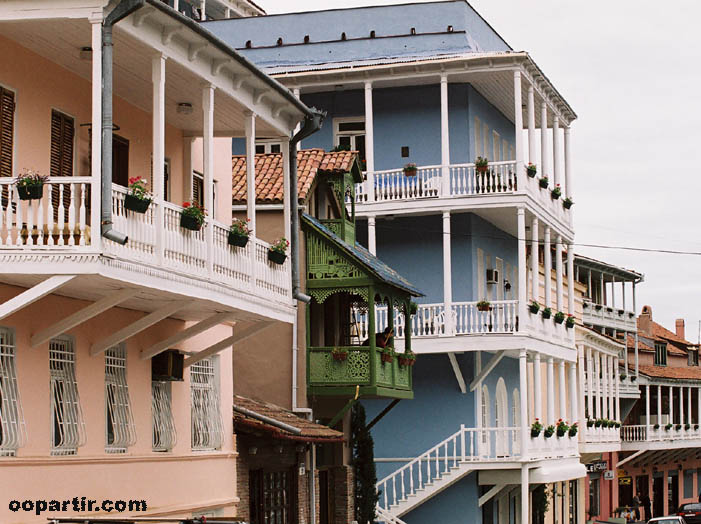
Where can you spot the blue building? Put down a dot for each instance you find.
(425, 92)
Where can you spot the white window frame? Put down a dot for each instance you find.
(117, 403)
(164, 435)
(13, 429)
(267, 144)
(348, 120)
(207, 430)
(67, 413)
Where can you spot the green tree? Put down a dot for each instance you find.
(366, 495)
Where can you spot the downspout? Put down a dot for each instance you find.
(123, 9)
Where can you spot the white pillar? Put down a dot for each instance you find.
(647, 405)
(659, 405)
(613, 291)
(635, 311)
(574, 411)
(445, 138)
(176, 4)
(537, 388)
(551, 393)
(671, 405)
(617, 382)
(681, 405)
(369, 144)
(688, 405)
(447, 275)
(525, 492)
(570, 278)
(556, 151)
(531, 126)
(158, 79)
(544, 152)
(523, 397)
(580, 386)
(590, 384)
(597, 383)
(208, 161)
(521, 218)
(203, 9)
(558, 272)
(562, 390)
(518, 124)
(548, 263)
(250, 132)
(372, 242)
(96, 133)
(287, 203)
(609, 378)
(568, 164)
(535, 267)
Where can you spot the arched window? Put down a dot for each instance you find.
(486, 415)
(516, 409)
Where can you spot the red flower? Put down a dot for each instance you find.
(186, 204)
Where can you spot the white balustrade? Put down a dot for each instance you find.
(500, 177)
(601, 315)
(643, 433)
(394, 185)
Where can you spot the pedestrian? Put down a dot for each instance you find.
(635, 504)
(647, 505)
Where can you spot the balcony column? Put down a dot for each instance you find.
(203, 9)
(523, 399)
(617, 382)
(609, 378)
(570, 278)
(590, 384)
(698, 405)
(574, 412)
(647, 406)
(556, 151)
(544, 153)
(445, 138)
(158, 79)
(518, 124)
(531, 126)
(537, 388)
(558, 272)
(208, 161)
(562, 390)
(681, 405)
(372, 242)
(597, 384)
(551, 393)
(613, 293)
(447, 276)
(96, 134)
(688, 405)
(635, 311)
(548, 263)
(580, 385)
(568, 165)
(369, 144)
(522, 284)
(659, 405)
(671, 405)
(250, 132)
(535, 272)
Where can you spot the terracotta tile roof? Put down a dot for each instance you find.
(664, 333)
(310, 430)
(641, 344)
(269, 182)
(679, 373)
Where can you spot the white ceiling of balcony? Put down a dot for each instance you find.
(60, 41)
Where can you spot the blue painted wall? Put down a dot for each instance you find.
(456, 505)
(493, 118)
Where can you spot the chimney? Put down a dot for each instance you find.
(679, 328)
(645, 321)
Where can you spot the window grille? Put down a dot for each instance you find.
(67, 422)
(660, 354)
(121, 432)
(13, 431)
(164, 435)
(207, 429)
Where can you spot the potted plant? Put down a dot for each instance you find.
(668, 426)
(549, 431)
(30, 185)
(559, 317)
(536, 428)
(481, 165)
(138, 198)
(611, 423)
(410, 169)
(687, 427)
(192, 216)
(483, 305)
(598, 422)
(678, 427)
(585, 305)
(569, 322)
(656, 426)
(534, 307)
(573, 430)
(544, 182)
(590, 422)
(562, 428)
(413, 308)
(623, 376)
(277, 252)
(547, 312)
(531, 170)
(567, 203)
(408, 358)
(696, 426)
(339, 354)
(633, 378)
(598, 307)
(239, 232)
(387, 355)
(556, 192)
(616, 424)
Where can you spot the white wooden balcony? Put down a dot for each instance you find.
(609, 317)
(644, 437)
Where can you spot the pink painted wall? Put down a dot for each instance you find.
(167, 481)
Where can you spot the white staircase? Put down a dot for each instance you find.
(387, 517)
(441, 466)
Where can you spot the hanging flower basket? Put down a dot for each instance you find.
(556, 192)
(277, 253)
(559, 317)
(481, 165)
(483, 305)
(239, 232)
(567, 203)
(237, 239)
(339, 354)
(547, 313)
(138, 199)
(407, 358)
(562, 428)
(30, 192)
(536, 428)
(549, 431)
(192, 216)
(387, 356)
(531, 170)
(573, 430)
(136, 204)
(569, 322)
(534, 307)
(544, 182)
(189, 222)
(410, 170)
(30, 185)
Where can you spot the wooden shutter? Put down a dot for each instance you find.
(198, 188)
(7, 126)
(62, 137)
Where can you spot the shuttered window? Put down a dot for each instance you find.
(198, 188)
(62, 137)
(7, 127)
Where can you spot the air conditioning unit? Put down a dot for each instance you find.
(492, 276)
(167, 366)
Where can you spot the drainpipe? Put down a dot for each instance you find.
(295, 359)
(123, 9)
(312, 124)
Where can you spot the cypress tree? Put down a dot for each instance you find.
(366, 495)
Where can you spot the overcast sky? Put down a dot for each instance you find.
(629, 68)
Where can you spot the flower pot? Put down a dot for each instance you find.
(559, 320)
(482, 308)
(135, 204)
(567, 204)
(554, 195)
(387, 358)
(237, 239)
(547, 314)
(543, 183)
(403, 361)
(535, 433)
(560, 433)
(569, 324)
(340, 357)
(531, 173)
(481, 169)
(533, 308)
(34, 192)
(276, 257)
(190, 222)
(410, 172)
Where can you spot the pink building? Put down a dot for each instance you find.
(87, 319)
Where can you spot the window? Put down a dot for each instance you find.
(479, 151)
(689, 483)
(67, 423)
(272, 497)
(121, 432)
(13, 432)
(164, 435)
(268, 146)
(120, 161)
(693, 357)
(350, 133)
(198, 188)
(594, 496)
(660, 354)
(7, 131)
(62, 139)
(207, 430)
